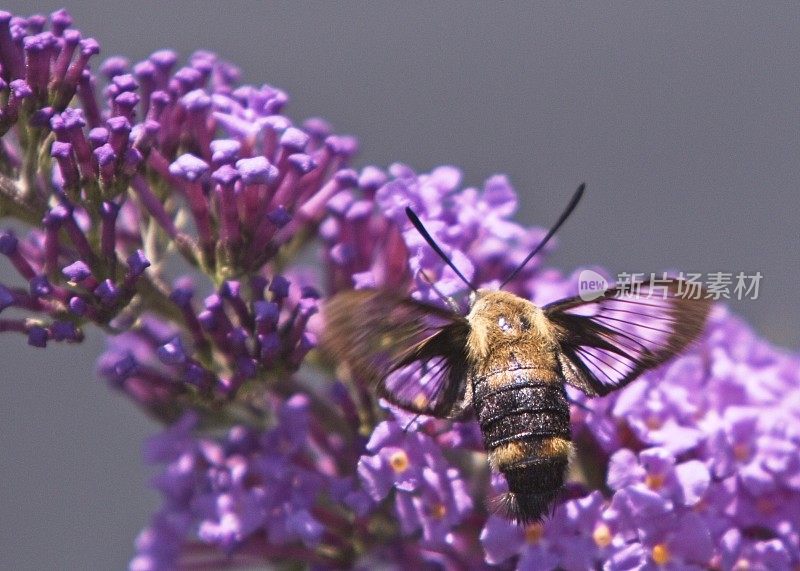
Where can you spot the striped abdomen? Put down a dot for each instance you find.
(524, 417)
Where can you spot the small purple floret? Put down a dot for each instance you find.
(77, 271)
(37, 336)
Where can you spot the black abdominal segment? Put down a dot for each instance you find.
(522, 409)
(526, 430)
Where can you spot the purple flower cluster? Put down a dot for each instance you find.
(269, 455)
(164, 165)
(701, 464)
(735, 411)
(431, 496)
(235, 491)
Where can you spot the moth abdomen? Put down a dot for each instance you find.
(533, 487)
(526, 430)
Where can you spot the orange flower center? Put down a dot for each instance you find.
(654, 481)
(534, 532)
(602, 535)
(660, 554)
(741, 452)
(420, 401)
(439, 511)
(399, 461)
(653, 422)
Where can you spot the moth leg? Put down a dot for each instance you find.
(439, 410)
(411, 422)
(462, 412)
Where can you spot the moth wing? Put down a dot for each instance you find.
(413, 352)
(608, 342)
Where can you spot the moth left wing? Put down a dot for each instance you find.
(414, 352)
(605, 343)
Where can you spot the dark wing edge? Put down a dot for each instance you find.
(414, 353)
(606, 343)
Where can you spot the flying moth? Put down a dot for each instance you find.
(508, 361)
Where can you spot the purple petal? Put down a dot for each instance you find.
(77, 271)
(624, 469)
(500, 539)
(693, 478)
(188, 167)
(537, 558)
(629, 558)
(375, 476)
(692, 540)
(500, 196)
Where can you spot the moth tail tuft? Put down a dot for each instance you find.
(524, 508)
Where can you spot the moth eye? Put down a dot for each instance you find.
(504, 325)
(524, 322)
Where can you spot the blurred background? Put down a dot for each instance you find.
(682, 119)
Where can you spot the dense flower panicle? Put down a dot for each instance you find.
(268, 455)
(160, 159)
(473, 226)
(573, 539)
(371, 243)
(431, 496)
(248, 483)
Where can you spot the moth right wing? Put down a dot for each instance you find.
(413, 352)
(607, 342)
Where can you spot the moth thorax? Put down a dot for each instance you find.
(507, 331)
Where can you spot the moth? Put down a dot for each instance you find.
(508, 362)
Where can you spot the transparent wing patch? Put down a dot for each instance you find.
(412, 351)
(607, 342)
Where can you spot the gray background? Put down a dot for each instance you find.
(682, 119)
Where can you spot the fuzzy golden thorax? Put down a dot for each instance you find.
(507, 331)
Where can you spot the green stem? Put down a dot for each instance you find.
(31, 162)
(157, 301)
(12, 204)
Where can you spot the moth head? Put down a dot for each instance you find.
(502, 318)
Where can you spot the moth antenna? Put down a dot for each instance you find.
(564, 215)
(451, 303)
(424, 233)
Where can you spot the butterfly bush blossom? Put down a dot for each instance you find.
(170, 206)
